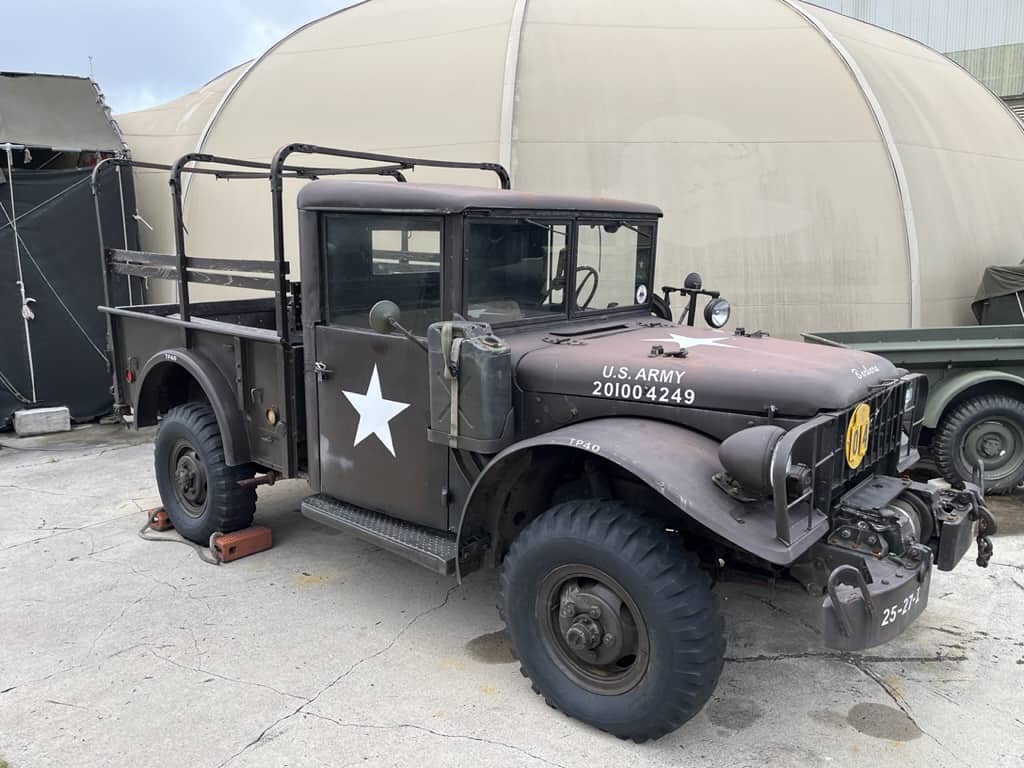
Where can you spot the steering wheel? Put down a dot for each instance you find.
(590, 276)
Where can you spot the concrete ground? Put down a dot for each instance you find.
(326, 651)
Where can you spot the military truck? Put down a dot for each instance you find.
(473, 377)
(973, 423)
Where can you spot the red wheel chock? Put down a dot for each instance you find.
(224, 547)
(158, 519)
(234, 546)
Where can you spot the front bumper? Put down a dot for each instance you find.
(870, 600)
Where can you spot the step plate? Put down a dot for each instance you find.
(425, 546)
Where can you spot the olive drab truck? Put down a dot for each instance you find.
(474, 377)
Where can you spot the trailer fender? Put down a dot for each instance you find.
(214, 386)
(672, 460)
(943, 393)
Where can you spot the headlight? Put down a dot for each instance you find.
(747, 456)
(909, 397)
(716, 312)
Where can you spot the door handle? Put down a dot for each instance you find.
(321, 370)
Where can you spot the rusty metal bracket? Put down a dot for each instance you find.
(268, 479)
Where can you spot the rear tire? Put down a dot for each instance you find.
(200, 492)
(650, 596)
(989, 427)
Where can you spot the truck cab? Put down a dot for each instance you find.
(473, 377)
(514, 264)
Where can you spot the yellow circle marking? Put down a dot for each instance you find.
(857, 435)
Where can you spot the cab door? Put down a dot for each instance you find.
(372, 388)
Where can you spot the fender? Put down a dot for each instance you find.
(944, 392)
(216, 388)
(672, 460)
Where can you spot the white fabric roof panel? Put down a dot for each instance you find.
(56, 112)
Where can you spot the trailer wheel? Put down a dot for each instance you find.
(614, 624)
(989, 428)
(200, 492)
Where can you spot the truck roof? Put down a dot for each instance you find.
(346, 194)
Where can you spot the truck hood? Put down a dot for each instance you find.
(721, 371)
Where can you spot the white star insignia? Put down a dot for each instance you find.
(685, 342)
(375, 413)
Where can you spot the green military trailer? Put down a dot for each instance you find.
(974, 416)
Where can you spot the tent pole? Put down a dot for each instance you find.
(26, 311)
(124, 229)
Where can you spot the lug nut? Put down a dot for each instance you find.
(568, 610)
(608, 639)
(595, 612)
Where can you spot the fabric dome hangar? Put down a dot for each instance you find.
(821, 172)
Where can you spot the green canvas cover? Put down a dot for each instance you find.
(999, 300)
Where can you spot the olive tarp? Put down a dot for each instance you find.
(999, 300)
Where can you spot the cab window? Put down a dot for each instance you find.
(613, 264)
(369, 257)
(515, 268)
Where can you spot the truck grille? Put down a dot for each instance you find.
(885, 430)
(820, 445)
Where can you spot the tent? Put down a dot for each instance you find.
(53, 130)
(998, 301)
(819, 171)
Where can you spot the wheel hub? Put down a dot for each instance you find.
(189, 475)
(594, 630)
(997, 444)
(584, 634)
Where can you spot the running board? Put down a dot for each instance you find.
(433, 549)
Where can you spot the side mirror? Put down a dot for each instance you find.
(384, 316)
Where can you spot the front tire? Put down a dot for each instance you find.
(614, 623)
(989, 428)
(200, 492)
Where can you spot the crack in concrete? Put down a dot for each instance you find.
(54, 533)
(845, 657)
(211, 673)
(68, 704)
(120, 615)
(778, 609)
(43, 491)
(900, 702)
(432, 732)
(946, 630)
(352, 667)
(1008, 565)
(138, 572)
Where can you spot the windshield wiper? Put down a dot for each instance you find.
(629, 226)
(549, 227)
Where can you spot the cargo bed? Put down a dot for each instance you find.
(921, 348)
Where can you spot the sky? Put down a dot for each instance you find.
(146, 52)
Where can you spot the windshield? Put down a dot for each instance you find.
(613, 264)
(513, 269)
(520, 268)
